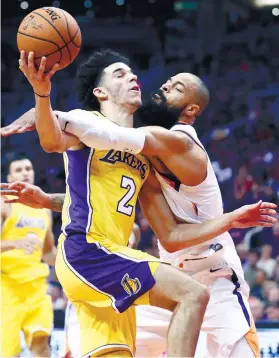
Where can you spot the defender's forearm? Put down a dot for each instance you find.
(187, 235)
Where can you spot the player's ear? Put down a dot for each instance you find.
(100, 93)
(191, 110)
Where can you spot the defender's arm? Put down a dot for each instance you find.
(175, 236)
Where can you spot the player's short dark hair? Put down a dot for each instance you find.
(90, 75)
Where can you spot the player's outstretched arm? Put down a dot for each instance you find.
(31, 195)
(175, 236)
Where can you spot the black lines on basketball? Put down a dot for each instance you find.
(49, 41)
(67, 24)
(60, 48)
(34, 12)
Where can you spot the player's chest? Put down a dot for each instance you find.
(107, 164)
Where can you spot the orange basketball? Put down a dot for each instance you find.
(50, 32)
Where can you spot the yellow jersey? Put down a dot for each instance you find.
(102, 188)
(22, 221)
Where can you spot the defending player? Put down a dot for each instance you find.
(26, 239)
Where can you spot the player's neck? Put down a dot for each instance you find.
(187, 120)
(120, 115)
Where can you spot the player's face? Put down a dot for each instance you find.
(21, 170)
(176, 91)
(121, 84)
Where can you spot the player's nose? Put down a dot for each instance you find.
(165, 87)
(133, 77)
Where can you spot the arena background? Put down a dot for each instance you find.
(233, 45)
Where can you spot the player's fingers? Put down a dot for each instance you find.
(42, 68)
(4, 185)
(8, 192)
(268, 205)
(264, 224)
(7, 131)
(31, 66)
(28, 190)
(18, 185)
(268, 218)
(11, 201)
(268, 212)
(24, 129)
(52, 71)
(22, 63)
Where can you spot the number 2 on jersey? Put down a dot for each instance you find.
(123, 207)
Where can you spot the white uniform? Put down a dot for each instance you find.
(215, 263)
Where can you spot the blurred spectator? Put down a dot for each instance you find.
(272, 312)
(242, 182)
(250, 268)
(242, 253)
(276, 271)
(266, 263)
(267, 287)
(257, 288)
(273, 296)
(257, 308)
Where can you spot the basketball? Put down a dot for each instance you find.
(50, 32)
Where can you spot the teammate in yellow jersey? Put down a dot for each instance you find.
(26, 239)
(94, 265)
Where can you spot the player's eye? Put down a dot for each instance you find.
(178, 89)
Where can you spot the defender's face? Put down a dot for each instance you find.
(121, 84)
(175, 92)
(21, 170)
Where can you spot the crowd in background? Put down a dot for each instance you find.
(240, 128)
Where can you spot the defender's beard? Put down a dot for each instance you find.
(156, 112)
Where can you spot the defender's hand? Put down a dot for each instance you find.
(25, 123)
(25, 193)
(39, 80)
(259, 214)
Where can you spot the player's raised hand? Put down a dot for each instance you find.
(259, 214)
(25, 123)
(39, 80)
(24, 193)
